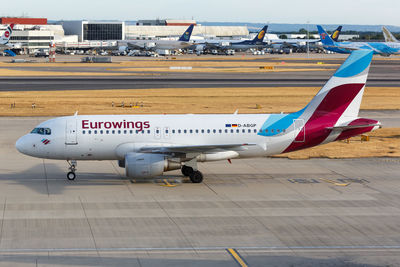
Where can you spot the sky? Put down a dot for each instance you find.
(367, 12)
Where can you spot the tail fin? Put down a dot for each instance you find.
(388, 35)
(336, 33)
(186, 35)
(336, 104)
(342, 94)
(325, 38)
(261, 34)
(7, 34)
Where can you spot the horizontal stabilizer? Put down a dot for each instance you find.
(348, 127)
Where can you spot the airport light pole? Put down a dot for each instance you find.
(308, 38)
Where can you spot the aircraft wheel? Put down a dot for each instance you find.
(186, 170)
(71, 176)
(196, 177)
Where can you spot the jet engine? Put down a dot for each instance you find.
(147, 165)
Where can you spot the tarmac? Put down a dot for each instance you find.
(254, 212)
(383, 73)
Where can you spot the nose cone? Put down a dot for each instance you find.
(22, 145)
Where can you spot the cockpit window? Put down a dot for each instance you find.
(42, 131)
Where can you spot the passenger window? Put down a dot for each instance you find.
(130, 131)
(101, 131)
(272, 130)
(284, 130)
(237, 131)
(226, 130)
(266, 130)
(244, 131)
(148, 131)
(166, 131)
(220, 131)
(208, 131)
(113, 131)
(89, 132)
(107, 131)
(184, 131)
(179, 131)
(202, 130)
(255, 130)
(173, 131)
(137, 131)
(83, 131)
(278, 130)
(142, 131)
(197, 130)
(125, 131)
(190, 131)
(249, 130)
(231, 130)
(95, 131)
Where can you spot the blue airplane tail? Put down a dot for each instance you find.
(325, 38)
(186, 35)
(260, 35)
(336, 33)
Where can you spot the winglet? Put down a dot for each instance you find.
(76, 113)
(236, 112)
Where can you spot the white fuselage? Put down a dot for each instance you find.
(105, 137)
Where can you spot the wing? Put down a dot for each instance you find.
(193, 149)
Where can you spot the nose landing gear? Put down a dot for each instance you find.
(72, 167)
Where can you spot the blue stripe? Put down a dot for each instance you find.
(355, 64)
(279, 122)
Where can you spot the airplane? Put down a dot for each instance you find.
(388, 35)
(256, 43)
(4, 41)
(378, 48)
(153, 45)
(149, 145)
(296, 43)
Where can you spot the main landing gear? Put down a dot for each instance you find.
(194, 175)
(72, 167)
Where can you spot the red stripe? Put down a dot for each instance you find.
(326, 115)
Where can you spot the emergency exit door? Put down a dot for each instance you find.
(71, 132)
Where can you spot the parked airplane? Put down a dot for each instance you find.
(148, 145)
(243, 45)
(388, 35)
(4, 41)
(380, 48)
(182, 42)
(297, 43)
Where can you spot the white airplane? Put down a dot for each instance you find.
(181, 43)
(4, 40)
(148, 145)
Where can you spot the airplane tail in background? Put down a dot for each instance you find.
(336, 33)
(261, 34)
(388, 35)
(186, 35)
(7, 34)
(325, 38)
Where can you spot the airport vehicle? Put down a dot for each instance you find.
(237, 45)
(388, 35)
(148, 145)
(379, 48)
(4, 41)
(153, 45)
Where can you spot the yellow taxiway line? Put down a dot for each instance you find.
(237, 257)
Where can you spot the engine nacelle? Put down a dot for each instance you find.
(147, 165)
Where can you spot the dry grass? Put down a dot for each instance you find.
(383, 143)
(182, 100)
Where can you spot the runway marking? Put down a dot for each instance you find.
(273, 248)
(236, 256)
(167, 184)
(334, 182)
